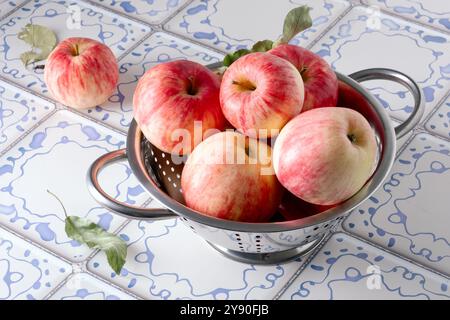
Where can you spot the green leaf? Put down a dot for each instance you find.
(262, 46)
(89, 233)
(297, 20)
(30, 57)
(232, 57)
(42, 41)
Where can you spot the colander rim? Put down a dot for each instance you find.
(386, 161)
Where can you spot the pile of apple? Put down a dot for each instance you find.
(285, 97)
(275, 94)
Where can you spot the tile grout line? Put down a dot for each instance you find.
(395, 254)
(335, 22)
(406, 18)
(117, 13)
(24, 134)
(175, 13)
(7, 14)
(303, 266)
(35, 244)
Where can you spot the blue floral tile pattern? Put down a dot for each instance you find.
(150, 11)
(409, 213)
(66, 19)
(166, 260)
(347, 268)
(27, 272)
(210, 22)
(429, 12)
(56, 156)
(82, 286)
(394, 44)
(159, 48)
(439, 122)
(19, 111)
(8, 5)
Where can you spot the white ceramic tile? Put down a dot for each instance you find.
(401, 141)
(409, 214)
(234, 24)
(431, 12)
(361, 40)
(27, 272)
(347, 268)
(117, 32)
(19, 111)
(166, 260)
(56, 156)
(439, 122)
(160, 47)
(82, 286)
(150, 11)
(8, 5)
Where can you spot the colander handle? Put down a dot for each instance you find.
(406, 81)
(109, 202)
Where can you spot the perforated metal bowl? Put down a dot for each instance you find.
(263, 243)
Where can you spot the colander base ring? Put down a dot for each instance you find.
(271, 257)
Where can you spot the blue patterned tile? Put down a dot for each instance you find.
(150, 11)
(166, 260)
(409, 214)
(362, 40)
(431, 12)
(233, 24)
(19, 111)
(82, 286)
(56, 156)
(7, 5)
(27, 272)
(439, 122)
(160, 47)
(117, 32)
(346, 268)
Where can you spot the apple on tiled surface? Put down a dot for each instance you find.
(117, 32)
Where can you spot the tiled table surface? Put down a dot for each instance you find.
(395, 245)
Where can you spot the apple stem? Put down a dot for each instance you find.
(246, 85)
(77, 50)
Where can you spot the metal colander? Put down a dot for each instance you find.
(263, 243)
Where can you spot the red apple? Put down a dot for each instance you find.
(171, 99)
(292, 208)
(325, 155)
(261, 92)
(320, 81)
(230, 176)
(81, 73)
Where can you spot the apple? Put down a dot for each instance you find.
(320, 81)
(230, 176)
(173, 101)
(81, 73)
(293, 208)
(325, 155)
(260, 91)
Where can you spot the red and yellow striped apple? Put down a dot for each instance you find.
(171, 98)
(230, 176)
(325, 155)
(260, 91)
(320, 81)
(81, 73)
